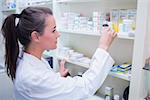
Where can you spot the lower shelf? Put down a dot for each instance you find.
(121, 75)
(126, 77)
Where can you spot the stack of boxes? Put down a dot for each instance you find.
(121, 20)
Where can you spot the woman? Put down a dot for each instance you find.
(33, 78)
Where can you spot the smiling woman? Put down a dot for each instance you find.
(33, 78)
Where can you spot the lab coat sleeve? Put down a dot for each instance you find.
(53, 87)
(58, 73)
(100, 66)
(93, 78)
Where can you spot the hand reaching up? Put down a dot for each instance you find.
(107, 37)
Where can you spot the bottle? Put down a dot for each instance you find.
(116, 97)
(108, 93)
(107, 97)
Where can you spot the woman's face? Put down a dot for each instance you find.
(48, 39)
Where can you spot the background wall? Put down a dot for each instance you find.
(6, 87)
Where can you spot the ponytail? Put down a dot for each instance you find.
(11, 44)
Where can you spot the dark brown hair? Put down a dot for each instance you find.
(31, 19)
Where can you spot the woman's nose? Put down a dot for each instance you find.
(58, 34)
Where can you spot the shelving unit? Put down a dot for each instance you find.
(86, 41)
(125, 49)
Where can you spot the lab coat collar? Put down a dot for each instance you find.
(35, 60)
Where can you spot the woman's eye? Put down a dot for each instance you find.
(53, 31)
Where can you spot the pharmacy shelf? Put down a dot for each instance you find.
(75, 1)
(42, 4)
(96, 97)
(83, 1)
(80, 32)
(9, 10)
(94, 34)
(123, 76)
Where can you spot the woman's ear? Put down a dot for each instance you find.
(35, 36)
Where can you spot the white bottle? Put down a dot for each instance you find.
(116, 97)
(108, 93)
(127, 25)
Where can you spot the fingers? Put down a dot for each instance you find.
(63, 71)
(113, 33)
(105, 29)
(62, 62)
(108, 30)
(66, 71)
(107, 37)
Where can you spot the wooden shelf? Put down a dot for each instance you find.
(123, 76)
(94, 34)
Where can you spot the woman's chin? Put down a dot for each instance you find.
(53, 48)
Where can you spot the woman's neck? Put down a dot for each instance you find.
(37, 52)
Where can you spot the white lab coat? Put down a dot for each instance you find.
(35, 80)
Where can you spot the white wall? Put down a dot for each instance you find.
(6, 87)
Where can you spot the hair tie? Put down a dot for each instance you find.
(17, 15)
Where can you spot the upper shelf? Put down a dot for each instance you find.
(46, 3)
(75, 1)
(80, 1)
(94, 34)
